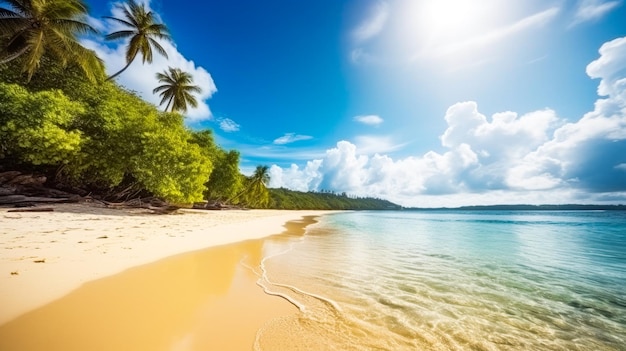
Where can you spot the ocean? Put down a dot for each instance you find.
(451, 280)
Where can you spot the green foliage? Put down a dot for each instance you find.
(55, 120)
(255, 193)
(30, 29)
(51, 75)
(114, 122)
(36, 128)
(102, 137)
(225, 182)
(170, 166)
(297, 200)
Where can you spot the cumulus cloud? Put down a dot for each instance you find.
(228, 125)
(289, 138)
(587, 154)
(376, 144)
(593, 10)
(140, 77)
(372, 120)
(295, 178)
(505, 158)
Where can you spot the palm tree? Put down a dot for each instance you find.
(176, 89)
(255, 193)
(260, 177)
(30, 29)
(142, 31)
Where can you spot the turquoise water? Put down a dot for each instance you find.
(494, 280)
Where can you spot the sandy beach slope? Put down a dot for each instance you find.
(46, 255)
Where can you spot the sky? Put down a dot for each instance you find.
(423, 103)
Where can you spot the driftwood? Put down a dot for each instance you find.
(28, 180)
(26, 190)
(163, 210)
(4, 191)
(153, 204)
(7, 176)
(215, 206)
(21, 190)
(33, 209)
(16, 199)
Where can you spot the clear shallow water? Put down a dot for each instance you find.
(453, 281)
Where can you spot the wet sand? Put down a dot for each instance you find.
(206, 299)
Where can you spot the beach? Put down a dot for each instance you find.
(144, 280)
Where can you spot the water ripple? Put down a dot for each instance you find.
(458, 281)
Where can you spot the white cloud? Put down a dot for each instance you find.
(295, 178)
(370, 144)
(507, 158)
(228, 125)
(587, 154)
(593, 10)
(141, 77)
(374, 24)
(289, 138)
(610, 68)
(372, 120)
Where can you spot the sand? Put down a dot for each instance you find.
(47, 257)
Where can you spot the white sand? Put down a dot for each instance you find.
(78, 243)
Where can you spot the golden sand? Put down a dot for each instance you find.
(203, 300)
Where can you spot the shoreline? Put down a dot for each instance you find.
(45, 256)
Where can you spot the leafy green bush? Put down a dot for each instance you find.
(36, 128)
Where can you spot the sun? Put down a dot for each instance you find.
(448, 21)
(448, 15)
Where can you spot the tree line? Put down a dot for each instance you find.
(297, 200)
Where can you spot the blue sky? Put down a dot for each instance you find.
(425, 103)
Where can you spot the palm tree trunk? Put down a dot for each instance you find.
(123, 69)
(168, 104)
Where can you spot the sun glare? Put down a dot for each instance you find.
(440, 22)
(448, 15)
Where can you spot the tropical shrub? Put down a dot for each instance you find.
(36, 127)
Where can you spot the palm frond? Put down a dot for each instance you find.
(122, 34)
(134, 47)
(58, 22)
(146, 50)
(21, 6)
(91, 65)
(121, 21)
(74, 26)
(160, 88)
(158, 46)
(191, 100)
(177, 89)
(36, 49)
(137, 13)
(6, 13)
(9, 26)
(158, 30)
(195, 89)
